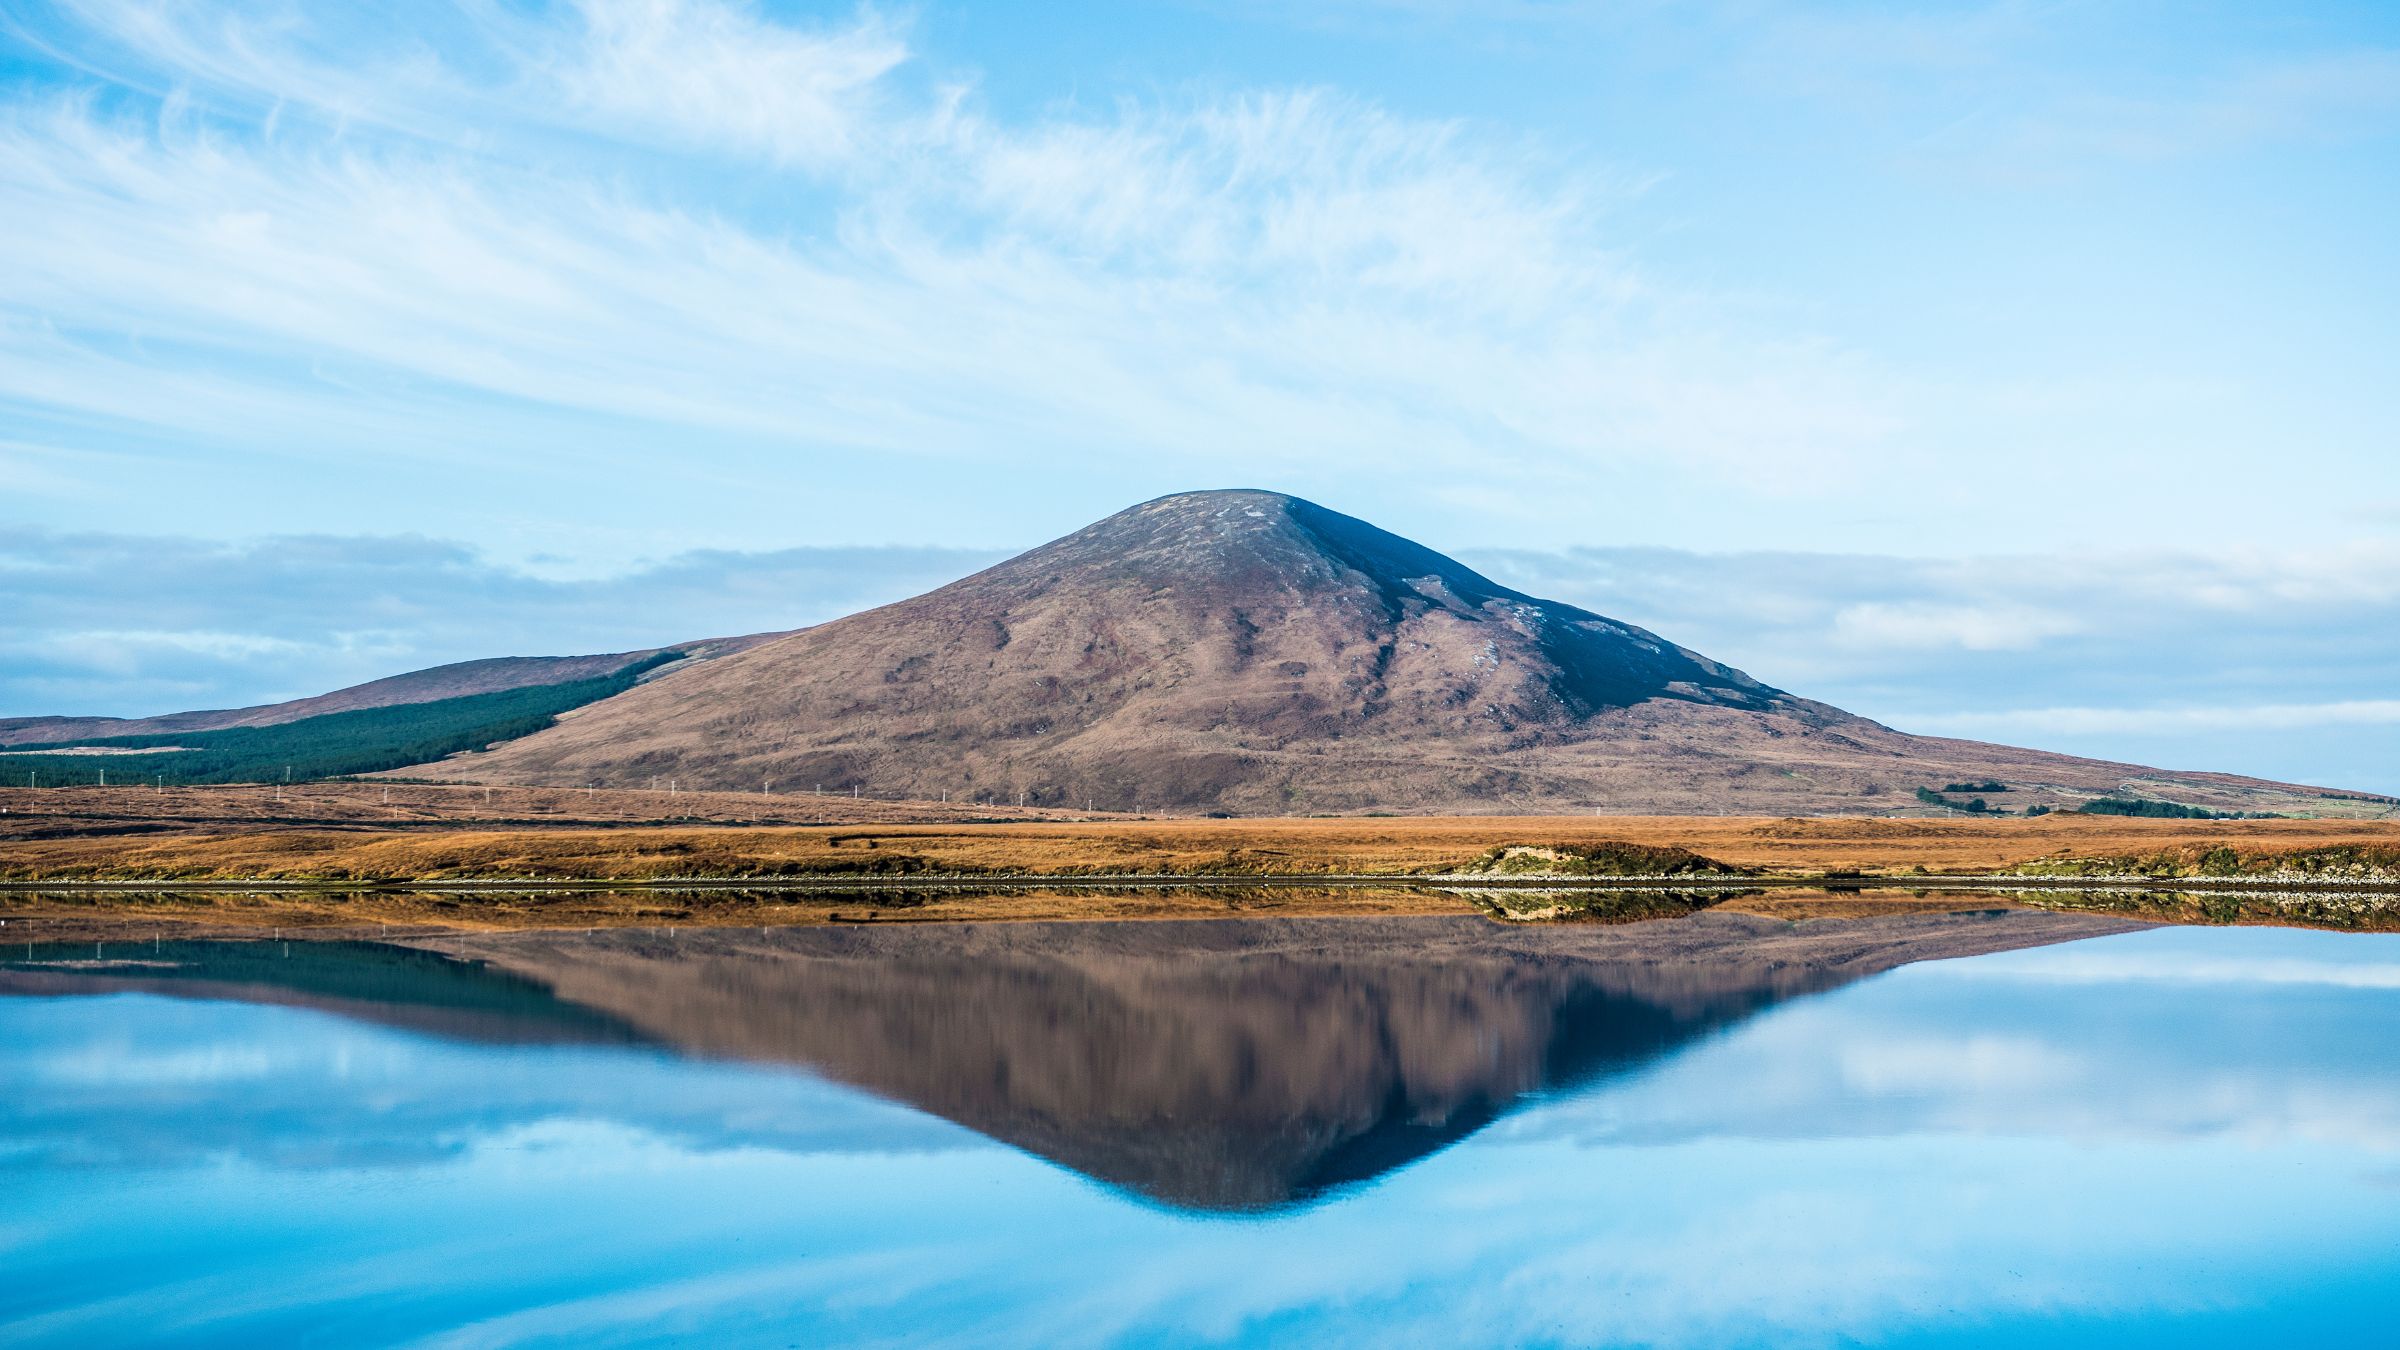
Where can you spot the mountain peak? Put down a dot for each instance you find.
(1208, 500)
(1186, 531)
(1157, 656)
(1271, 539)
(1245, 650)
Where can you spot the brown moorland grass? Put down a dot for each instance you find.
(55, 813)
(1183, 847)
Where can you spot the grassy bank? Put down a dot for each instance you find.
(2060, 845)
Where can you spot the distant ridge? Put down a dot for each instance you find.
(1253, 653)
(487, 676)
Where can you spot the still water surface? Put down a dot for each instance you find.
(1710, 1131)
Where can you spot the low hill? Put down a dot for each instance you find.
(386, 724)
(457, 680)
(1254, 653)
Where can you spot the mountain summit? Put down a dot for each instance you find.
(1252, 652)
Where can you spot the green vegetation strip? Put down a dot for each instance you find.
(2137, 806)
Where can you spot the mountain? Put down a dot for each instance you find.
(458, 680)
(1250, 652)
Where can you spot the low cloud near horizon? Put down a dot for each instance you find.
(2278, 668)
(129, 625)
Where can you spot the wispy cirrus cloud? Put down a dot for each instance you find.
(720, 77)
(563, 241)
(326, 226)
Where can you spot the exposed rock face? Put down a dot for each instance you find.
(1255, 653)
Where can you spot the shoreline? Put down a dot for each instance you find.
(840, 882)
(42, 917)
(182, 845)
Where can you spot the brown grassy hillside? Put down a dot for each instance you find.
(1253, 653)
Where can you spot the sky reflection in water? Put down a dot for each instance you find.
(2170, 1137)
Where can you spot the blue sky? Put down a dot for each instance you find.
(2019, 370)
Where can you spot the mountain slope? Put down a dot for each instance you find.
(458, 680)
(1251, 652)
(328, 745)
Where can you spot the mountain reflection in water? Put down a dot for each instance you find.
(1206, 1065)
(1703, 1132)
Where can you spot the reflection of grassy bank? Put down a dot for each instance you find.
(84, 916)
(1520, 905)
(2352, 911)
(2347, 911)
(112, 915)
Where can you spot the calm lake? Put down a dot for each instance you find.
(1984, 1128)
